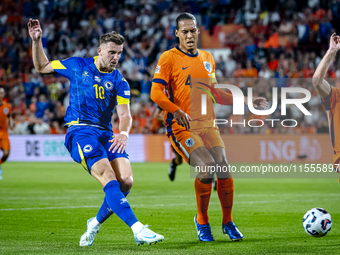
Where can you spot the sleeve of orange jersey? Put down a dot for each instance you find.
(160, 80)
(10, 121)
(226, 98)
(332, 97)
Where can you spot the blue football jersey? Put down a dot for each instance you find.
(93, 93)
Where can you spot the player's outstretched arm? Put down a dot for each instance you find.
(125, 122)
(40, 61)
(320, 84)
(11, 122)
(163, 102)
(226, 98)
(258, 102)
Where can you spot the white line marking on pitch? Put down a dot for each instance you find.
(158, 196)
(148, 205)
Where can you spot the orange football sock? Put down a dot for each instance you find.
(225, 191)
(203, 192)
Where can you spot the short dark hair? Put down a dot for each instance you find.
(112, 37)
(185, 16)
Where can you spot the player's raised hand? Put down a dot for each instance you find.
(118, 143)
(334, 43)
(260, 102)
(34, 29)
(182, 119)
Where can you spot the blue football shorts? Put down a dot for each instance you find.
(88, 144)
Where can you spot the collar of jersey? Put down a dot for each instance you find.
(94, 61)
(190, 55)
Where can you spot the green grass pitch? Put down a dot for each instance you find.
(44, 208)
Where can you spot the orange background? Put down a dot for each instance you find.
(213, 41)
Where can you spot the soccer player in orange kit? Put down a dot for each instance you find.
(193, 135)
(5, 110)
(330, 96)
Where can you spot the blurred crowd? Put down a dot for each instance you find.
(274, 39)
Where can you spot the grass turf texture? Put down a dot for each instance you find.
(44, 208)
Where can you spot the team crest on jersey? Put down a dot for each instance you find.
(190, 142)
(207, 66)
(87, 148)
(97, 79)
(6, 110)
(158, 68)
(108, 85)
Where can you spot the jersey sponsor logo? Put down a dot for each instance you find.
(6, 110)
(87, 148)
(185, 67)
(207, 66)
(97, 79)
(158, 69)
(190, 142)
(127, 93)
(108, 85)
(86, 77)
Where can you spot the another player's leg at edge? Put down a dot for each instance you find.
(173, 164)
(5, 155)
(225, 189)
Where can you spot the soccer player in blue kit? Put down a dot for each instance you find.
(96, 89)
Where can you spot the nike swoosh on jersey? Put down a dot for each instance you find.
(185, 67)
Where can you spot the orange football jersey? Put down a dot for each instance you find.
(332, 105)
(185, 78)
(5, 110)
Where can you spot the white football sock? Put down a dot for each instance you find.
(136, 227)
(94, 223)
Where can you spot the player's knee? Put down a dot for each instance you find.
(126, 183)
(206, 174)
(223, 171)
(207, 179)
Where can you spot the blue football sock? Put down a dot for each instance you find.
(104, 212)
(118, 203)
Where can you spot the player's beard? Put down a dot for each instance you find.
(109, 67)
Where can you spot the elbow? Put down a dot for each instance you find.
(42, 68)
(38, 70)
(316, 81)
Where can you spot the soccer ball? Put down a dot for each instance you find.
(317, 222)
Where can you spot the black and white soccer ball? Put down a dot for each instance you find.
(317, 222)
